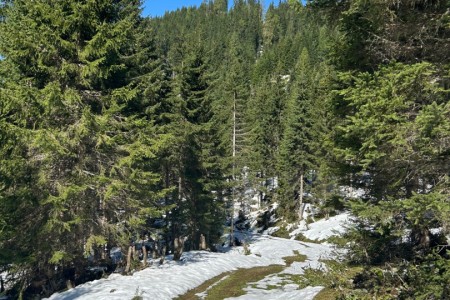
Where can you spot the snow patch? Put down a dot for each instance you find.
(323, 229)
(307, 293)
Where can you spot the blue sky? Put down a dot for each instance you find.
(159, 7)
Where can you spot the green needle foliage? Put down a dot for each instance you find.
(110, 121)
(76, 140)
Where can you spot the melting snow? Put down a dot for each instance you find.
(175, 278)
(323, 229)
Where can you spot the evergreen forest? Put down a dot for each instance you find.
(117, 128)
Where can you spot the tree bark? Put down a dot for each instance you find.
(163, 255)
(178, 244)
(155, 250)
(202, 242)
(234, 175)
(145, 255)
(69, 284)
(129, 258)
(301, 198)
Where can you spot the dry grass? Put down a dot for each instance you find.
(327, 294)
(295, 258)
(220, 287)
(190, 295)
(233, 286)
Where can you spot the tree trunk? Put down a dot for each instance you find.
(234, 175)
(129, 258)
(145, 255)
(246, 249)
(104, 251)
(135, 253)
(69, 284)
(260, 198)
(202, 242)
(178, 248)
(163, 255)
(301, 198)
(327, 212)
(155, 250)
(178, 244)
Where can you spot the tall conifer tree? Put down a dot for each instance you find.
(297, 151)
(71, 107)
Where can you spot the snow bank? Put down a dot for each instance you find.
(323, 229)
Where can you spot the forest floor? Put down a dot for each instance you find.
(270, 268)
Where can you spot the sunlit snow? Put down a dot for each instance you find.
(175, 278)
(323, 229)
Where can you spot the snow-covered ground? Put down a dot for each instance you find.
(175, 278)
(7, 280)
(323, 229)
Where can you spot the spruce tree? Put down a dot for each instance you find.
(297, 154)
(264, 113)
(73, 85)
(394, 136)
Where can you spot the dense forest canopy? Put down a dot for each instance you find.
(114, 127)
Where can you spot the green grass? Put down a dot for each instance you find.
(233, 286)
(300, 237)
(191, 294)
(295, 258)
(337, 280)
(327, 294)
(340, 241)
(281, 233)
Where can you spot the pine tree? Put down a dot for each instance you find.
(74, 69)
(393, 135)
(264, 113)
(297, 150)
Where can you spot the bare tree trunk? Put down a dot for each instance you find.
(234, 175)
(145, 255)
(163, 255)
(69, 284)
(327, 210)
(202, 242)
(246, 249)
(129, 258)
(155, 250)
(301, 198)
(260, 197)
(135, 253)
(178, 244)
